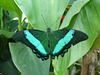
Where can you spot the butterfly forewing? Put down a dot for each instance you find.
(36, 40)
(65, 38)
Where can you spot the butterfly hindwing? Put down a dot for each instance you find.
(64, 39)
(36, 40)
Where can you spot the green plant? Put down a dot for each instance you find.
(83, 15)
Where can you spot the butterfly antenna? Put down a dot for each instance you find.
(44, 21)
(54, 22)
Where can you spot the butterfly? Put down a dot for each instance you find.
(53, 43)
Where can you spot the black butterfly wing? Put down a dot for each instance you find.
(64, 39)
(36, 40)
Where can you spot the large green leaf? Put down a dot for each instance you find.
(75, 9)
(8, 68)
(88, 21)
(27, 62)
(4, 48)
(43, 13)
(10, 5)
(6, 33)
(96, 44)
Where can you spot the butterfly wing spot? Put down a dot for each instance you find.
(62, 54)
(65, 51)
(44, 58)
(38, 55)
(34, 51)
(53, 57)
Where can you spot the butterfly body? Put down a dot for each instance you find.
(53, 43)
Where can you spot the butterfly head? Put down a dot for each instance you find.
(48, 29)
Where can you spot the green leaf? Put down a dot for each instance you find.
(27, 62)
(71, 24)
(43, 13)
(75, 9)
(51, 73)
(6, 33)
(4, 48)
(88, 21)
(71, 2)
(12, 15)
(10, 5)
(13, 25)
(1, 15)
(6, 17)
(96, 44)
(8, 68)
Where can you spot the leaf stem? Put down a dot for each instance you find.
(28, 27)
(1, 17)
(20, 26)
